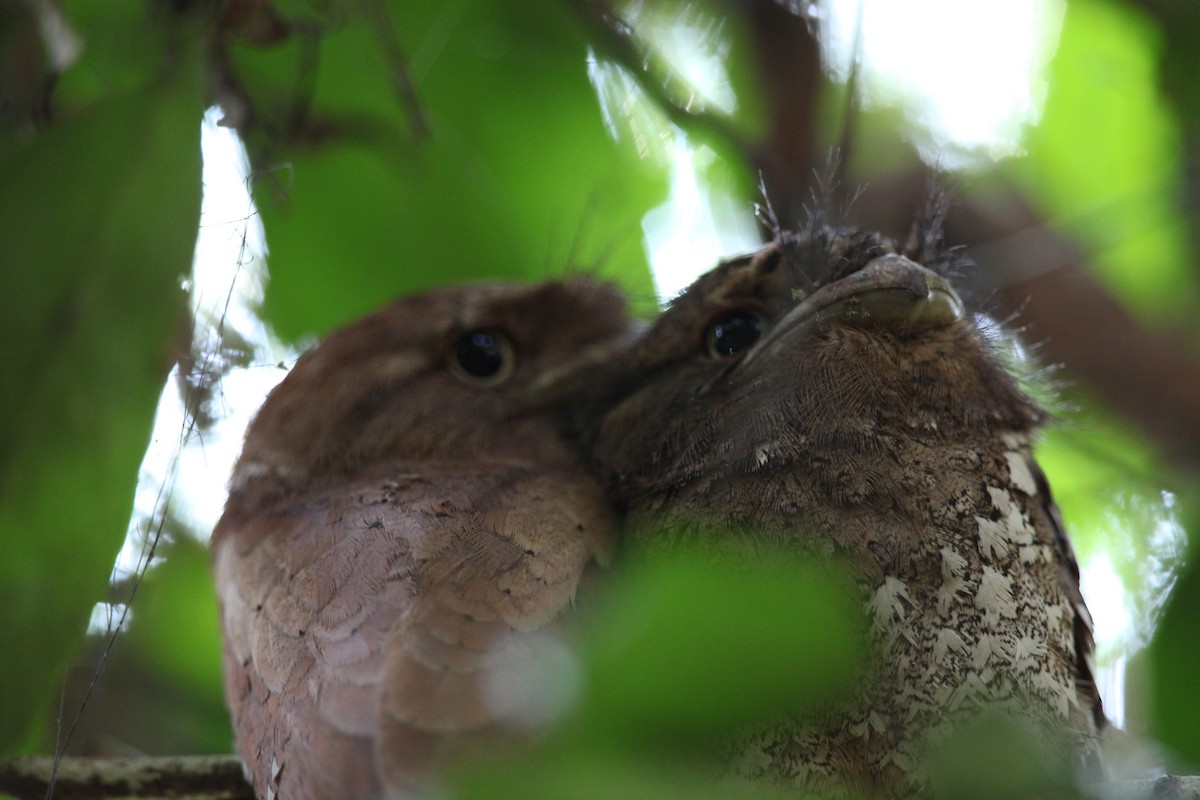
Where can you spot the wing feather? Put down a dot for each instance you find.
(367, 628)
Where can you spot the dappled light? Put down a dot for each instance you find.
(969, 77)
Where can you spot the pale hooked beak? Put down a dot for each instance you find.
(891, 292)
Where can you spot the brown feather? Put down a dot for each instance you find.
(394, 530)
(870, 419)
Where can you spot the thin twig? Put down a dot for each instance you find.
(393, 54)
(615, 37)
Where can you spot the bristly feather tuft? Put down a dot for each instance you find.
(927, 235)
(764, 212)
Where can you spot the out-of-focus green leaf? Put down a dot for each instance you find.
(163, 694)
(1120, 506)
(1180, 31)
(97, 225)
(175, 620)
(159, 686)
(121, 51)
(1089, 459)
(517, 179)
(580, 774)
(997, 757)
(1175, 662)
(689, 646)
(1104, 163)
(685, 648)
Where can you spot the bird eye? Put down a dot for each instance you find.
(733, 332)
(482, 357)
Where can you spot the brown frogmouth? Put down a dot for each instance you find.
(830, 393)
(403, 524)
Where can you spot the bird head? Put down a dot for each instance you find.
(813, 355)
(445, 375)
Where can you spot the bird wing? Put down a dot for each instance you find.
(1086, 689)
(372, 623)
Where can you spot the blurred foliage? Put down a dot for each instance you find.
(503, 168)
(1105, 164)
(97, 225)
(1174, 663)
(996, 757)
(689, 646)
(677, 651)
(176, 617)
(167, 659)
(362, 207)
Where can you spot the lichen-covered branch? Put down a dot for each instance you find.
(175, 777)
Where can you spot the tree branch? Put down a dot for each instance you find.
(175, 777)
(654, 76)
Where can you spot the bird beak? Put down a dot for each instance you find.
(890, 293)
(594, 367)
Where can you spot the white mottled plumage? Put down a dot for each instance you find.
(900, 444)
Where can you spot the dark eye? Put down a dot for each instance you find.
(733, 332)
(483, 357)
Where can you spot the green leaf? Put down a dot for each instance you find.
(161, 690)
(518, 178)
(685, 647)
(581, 774)
(690, 646)
(1174, 654)
(98, 222)
(997, 757)
(1104, 163)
